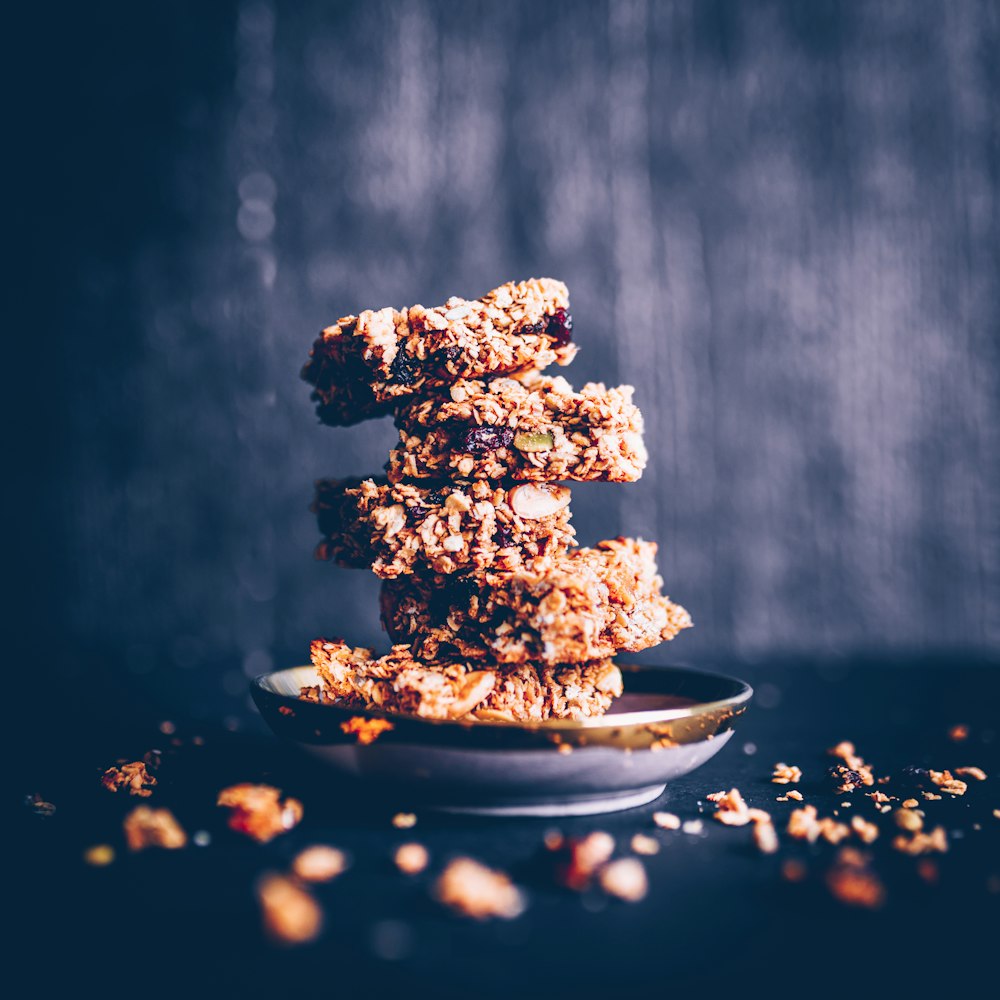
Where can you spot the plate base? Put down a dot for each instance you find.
(573, 807)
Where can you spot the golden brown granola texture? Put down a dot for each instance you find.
(398, 682)
(145, 827)
(133, 776)
(586, 604)
(362, 365)
(406, 528)
(258, 810)
(536, 429)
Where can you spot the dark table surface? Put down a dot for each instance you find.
(718, 915)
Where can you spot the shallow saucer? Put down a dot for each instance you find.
(669, 721)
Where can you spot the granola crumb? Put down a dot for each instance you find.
(669, 821)
(803, 824)
(625, 879)
(404, 821)
(908, 819)
(795, 795)
(765, 837)
(786, 774)
(855, 886)
(366, 730)
(853, 772)
(733, 810)
(100, 855)
(931, 796)
(134, 776)
(958, 733)
(258, 811)
(476, 891)
(971, 772)
(145, 827)
(38, 805)
(286, 710)
(643, 844)
(692, 826)
(996, 813)
(167, 728)
(921, 842)
(793, 870)
(411, 859)
(290, 914)
(319, 863)
(909, 803)
(565, 748)
(928, 871)
(582, 857)
(948, 783)
(867, 832)
(880, 798)
(553, 840)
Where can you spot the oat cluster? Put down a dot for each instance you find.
(494, 611)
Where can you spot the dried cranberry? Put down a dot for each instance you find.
(481, 440)
(503, 537)
(560, 327)
(403, 369)
(436, 498)
(847, 776)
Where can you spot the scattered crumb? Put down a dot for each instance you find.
(693, 826)
(971, 772)
(855, 886)
(404, 821)
(476, 891)
(286, 710)
(582, 858)
(931, 796)
(366, 730)
(553, 840)
(867, 832)
(289, 912)
(625, 878)
(786, 774)
(733, 810)
(135, 777)
(258, 811)
(880, 798)
(908, 819)
(565, 748)
(145, 827)
(996, 813)
(793, 870)
(167, 728)
(854, 772)
(642, 844)
(668, 821)
(928, 871)
(319, 863)
(910, 803)
(805, 824)
(765, 837)
(411, 859)
(922, 843)
(99, 855)
(958, 733)
(948, 783)
(715, 796)
(38, 805)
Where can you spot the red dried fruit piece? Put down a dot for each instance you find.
(480, 440)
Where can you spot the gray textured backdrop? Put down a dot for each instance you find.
(779, 221)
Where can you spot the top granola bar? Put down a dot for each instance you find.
(365, 364)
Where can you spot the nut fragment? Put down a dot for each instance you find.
(258, 811)
(534, 501)
(290, 914)
(145, 827)
(319, 863)
(625, 878)
(476, 891)
(134, 776)
(411, 858)
(529, 441)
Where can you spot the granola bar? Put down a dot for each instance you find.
(406, 528)
(535, 428)
(398, 682)
(363, 365)
(585, 604)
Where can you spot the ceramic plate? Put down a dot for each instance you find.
(669, 721)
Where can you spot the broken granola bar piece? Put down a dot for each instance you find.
(398, 682)
(145, 827)
(365, 364)
(585, 604)
(534, 429)
(405, 528)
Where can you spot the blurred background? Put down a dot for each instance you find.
(778, 221)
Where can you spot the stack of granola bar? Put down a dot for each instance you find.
(496, 613)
